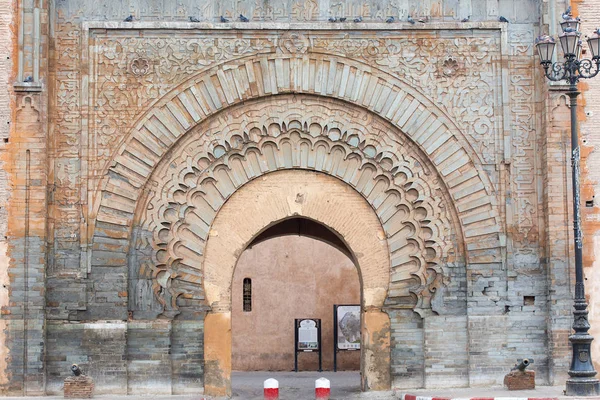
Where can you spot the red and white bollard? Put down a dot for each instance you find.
(322, 389)
(271, 389)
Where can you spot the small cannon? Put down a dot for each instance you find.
(518, 378)
(78, 386)
(522, 364)
(76, 370)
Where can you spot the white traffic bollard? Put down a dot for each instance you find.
(322, 389)
(271, 389)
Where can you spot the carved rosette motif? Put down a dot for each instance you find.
(294, 43)
(458, 74)
(216, 159)
(140, 66)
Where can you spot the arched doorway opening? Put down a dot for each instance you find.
(261, 204)
(297, 268)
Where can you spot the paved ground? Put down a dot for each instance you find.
(344, 385)
(539, 392)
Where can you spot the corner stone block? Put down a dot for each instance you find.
(376, 351)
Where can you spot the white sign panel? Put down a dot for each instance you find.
(308, 336)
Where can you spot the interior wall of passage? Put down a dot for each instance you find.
(292, 276)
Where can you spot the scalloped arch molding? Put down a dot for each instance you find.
(357, 84)
(218, 157)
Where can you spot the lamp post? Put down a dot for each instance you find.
(582, 379)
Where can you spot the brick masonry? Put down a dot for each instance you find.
(520, 380)
(6, 21)
(444, 133)
(78, 387)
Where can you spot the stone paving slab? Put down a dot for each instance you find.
(344, 385)
(539, 393)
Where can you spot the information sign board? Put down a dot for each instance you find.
(346, 329)
(308, 338)
(308, 335)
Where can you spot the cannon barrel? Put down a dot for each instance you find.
(523, 364)
(75, 369)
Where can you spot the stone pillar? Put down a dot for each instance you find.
(25, 160)
(375, 354)
(217, 354)
(25, 333)
(559, 240)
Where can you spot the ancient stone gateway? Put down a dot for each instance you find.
(146, 156)
(200, 157)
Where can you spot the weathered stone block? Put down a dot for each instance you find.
(520, 380)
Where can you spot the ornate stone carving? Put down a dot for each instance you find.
(468, 98)
(523, 129)
(450, 67)
(294, 42)
(365, 94)
(140, 66)
(203, 173)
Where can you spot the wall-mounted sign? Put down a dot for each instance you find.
(308, 338)
(346, 329)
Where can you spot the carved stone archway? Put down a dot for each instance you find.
(238, 81)
(187, 191)
(198, 146)
(265, 201)
(193, 186)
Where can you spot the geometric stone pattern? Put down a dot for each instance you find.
(202, 175)
(230, 84)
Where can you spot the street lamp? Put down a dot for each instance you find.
(582, 379)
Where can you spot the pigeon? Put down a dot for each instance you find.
(332, 19)
(570, 30)
(342, 19)
(597, 31)
(29, 79)
(223, 19)
(358, 19)
(194, 19)
(390, 20)
(466, 19)
(243, 19)
(567, 13)
(423, 20)
(411, 20)
(502, 19)
(129, 19)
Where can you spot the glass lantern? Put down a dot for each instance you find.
(545, 46)
(594, 44)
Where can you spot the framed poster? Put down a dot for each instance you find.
(308, 338)
(346, 329)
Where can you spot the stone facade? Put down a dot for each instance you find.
(145, 156)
